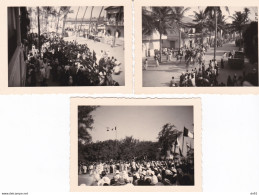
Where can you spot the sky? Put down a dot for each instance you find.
(141, 122)
(232, 10)
(96, 12)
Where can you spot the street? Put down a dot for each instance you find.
(161, 76)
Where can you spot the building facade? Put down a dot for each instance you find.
(172, 40)
(16, 62)
(114, 25)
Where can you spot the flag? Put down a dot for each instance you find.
(108, 128)
(187, 133)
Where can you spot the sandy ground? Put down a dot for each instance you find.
(161, 76)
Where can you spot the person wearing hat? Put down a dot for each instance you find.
(104, 179)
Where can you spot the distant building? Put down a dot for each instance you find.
(172, 39)
(84, 23)
(115, 21)
(17, 28)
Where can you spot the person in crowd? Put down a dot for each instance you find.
(68, 63)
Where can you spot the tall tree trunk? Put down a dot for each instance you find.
(58, 20)
(89, 29)
(83, 18)
(97, 23)
(76, 20)
(64, 22)
(180, 38)
(38, 10)
(216, 29)
(160, 41)
(46, 20)
(202, 36)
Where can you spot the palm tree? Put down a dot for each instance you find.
(58, 19)
(178, 14)
(89, 28)
(38, 10)
(201, 19)
(213, 11)
(97, 23)
(83, 18)
(158, 19)
(76, 19)
(167, 136)
(48, 11)
(66, 10)
(239, 20)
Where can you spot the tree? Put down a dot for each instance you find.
(85, 122)
(76, 20)
(178, 14)
(212, 12)
(83, 18)
(167, 136)
(158, 19)
(239, 21)
(47, 11)
(65, 10)
(59, 14)
(201, 19)
(39, 46)
(250, 37)
(89, 28)
(98, 20)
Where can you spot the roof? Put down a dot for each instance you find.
(112, 7)
(188, 21)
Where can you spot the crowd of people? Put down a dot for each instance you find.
(207, 75)
(67, 63)
(137, 173)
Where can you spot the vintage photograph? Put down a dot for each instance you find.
(136, 145)
(200, 46)
(66, 46)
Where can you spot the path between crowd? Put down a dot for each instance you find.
(161, 76)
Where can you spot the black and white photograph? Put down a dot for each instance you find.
(67, 46)
(199, 46)
(136, 145)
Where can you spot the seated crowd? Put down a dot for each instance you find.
(137, 173)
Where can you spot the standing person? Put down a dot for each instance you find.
(172, 83)
(42, 76)
(146, 64)
(156, 60)
(84, 168)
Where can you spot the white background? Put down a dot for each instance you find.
(35, 142)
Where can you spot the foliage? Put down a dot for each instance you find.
(167, 136)
(201, 19)
(125, 149)
(85, 121)
(250, 37)
(239, 20)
